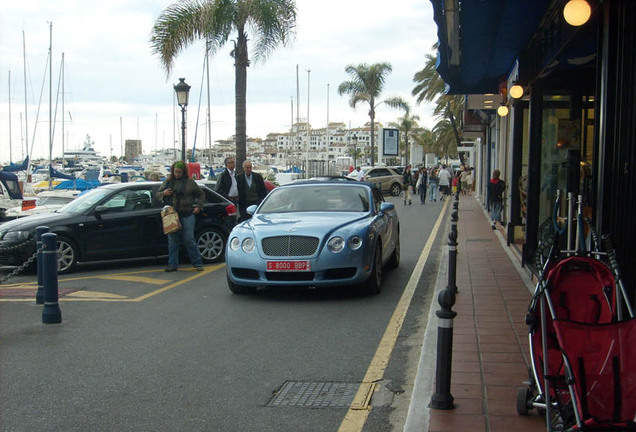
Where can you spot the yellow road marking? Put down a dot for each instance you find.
(140, 279)
(27, 285)
(106, 297)
(95, 295)
(197, 275)
(356, 417)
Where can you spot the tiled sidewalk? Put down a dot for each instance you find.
(490, 346)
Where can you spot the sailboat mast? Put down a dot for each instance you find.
(207, 69)
(297, 115)
(10, 143)
(63, 112)
(26, 118)
(50, 99)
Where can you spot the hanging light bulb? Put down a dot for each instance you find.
(502, 110)
(577, 12)
(516, 91)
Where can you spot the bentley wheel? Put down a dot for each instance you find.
(374, 283)
(239, 289)
(394, 261)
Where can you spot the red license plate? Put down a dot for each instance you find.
(288, 266)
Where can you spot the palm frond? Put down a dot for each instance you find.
(274, 22)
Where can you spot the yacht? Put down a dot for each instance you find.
(87, 155)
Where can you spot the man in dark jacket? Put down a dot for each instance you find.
(226, 184)
(251, 189)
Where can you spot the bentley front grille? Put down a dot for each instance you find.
(290, 246)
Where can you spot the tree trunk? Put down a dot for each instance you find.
(241, 62)
(458, 140)
(372, 116)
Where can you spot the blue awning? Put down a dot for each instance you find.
(481, 40)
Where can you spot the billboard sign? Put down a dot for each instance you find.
(390, 142)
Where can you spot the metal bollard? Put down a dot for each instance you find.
(39, 295)
(442, 399)
(452, 249)
(452, 255)
(51, 314)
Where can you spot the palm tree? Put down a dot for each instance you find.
(424, 138)
(444, 135)
(431, 88)
(271, 21)
(366, 85)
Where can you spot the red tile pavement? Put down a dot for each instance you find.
(490, 340)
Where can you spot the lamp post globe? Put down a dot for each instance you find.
(183, 92)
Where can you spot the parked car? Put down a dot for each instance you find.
(119, 220)
(387, 179)
(314, 234)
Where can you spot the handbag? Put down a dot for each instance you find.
(170, 220)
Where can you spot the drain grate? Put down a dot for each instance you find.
(315, 394)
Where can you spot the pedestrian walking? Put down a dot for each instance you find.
(407, 181)
(496, 189)
(187, 198)
(433, 184)
(421, 185)
(444, 182)
(464, 170)
(360, 175)
(469, 181)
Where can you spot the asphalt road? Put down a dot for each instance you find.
(143, 350)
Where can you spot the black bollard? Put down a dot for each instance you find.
(452, 249)
(442, 399)
(452, 255)
(39, 295)
(51, 314)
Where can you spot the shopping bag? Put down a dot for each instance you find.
(170, 220)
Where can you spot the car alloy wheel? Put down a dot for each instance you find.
(66, 255)
(211, 244)
(396, 189)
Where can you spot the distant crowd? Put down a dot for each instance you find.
(436, 182)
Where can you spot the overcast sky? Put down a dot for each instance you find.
(114, 88)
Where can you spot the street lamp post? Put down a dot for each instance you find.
(355, 151)
(183, 92)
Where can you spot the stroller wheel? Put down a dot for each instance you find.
(523, 397)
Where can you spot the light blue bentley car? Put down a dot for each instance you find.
(315, 234)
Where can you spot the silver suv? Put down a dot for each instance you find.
(387, 179)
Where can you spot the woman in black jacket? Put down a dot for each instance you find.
(187, 198)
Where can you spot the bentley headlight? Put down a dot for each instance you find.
(248, 245)
(355, 243)
(235, 243)
(16, 236)
(336, 244)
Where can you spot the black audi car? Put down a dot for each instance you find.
(116, 221)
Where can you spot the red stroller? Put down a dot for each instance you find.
(581, 346)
